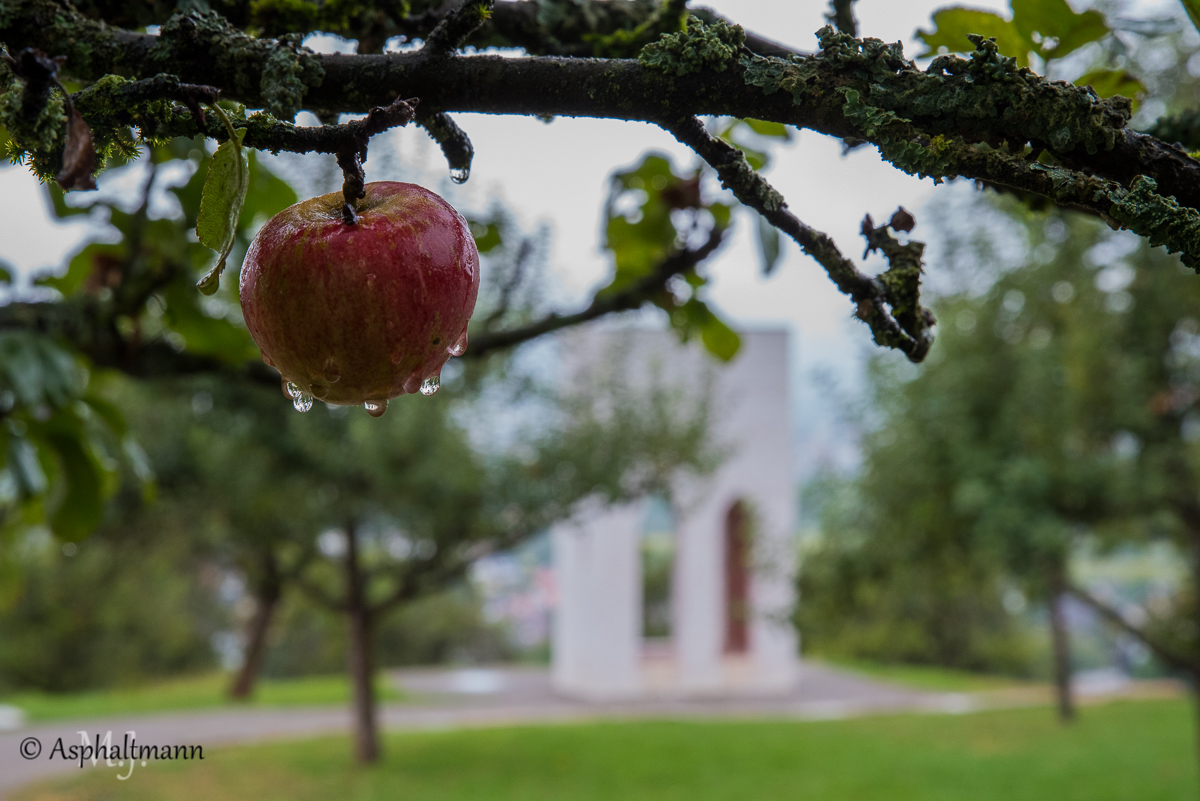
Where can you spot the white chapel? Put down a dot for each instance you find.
(726, 627)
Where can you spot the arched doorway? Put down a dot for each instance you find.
(737, 578)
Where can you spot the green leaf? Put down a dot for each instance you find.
(190, 194)
(202, 334)
(26, 470)
(1193, 11)
(221, 204)
(80, 507)
(773, 129)
(1107, 83)
(59, 203)
(1057, 22)
(768, 244)
(92, 259)
(641, 238)
(487, 235)
(756, 157)
(36, 370)
(267, 195)
(140, 463)
(108, 412)
(720, 340)
(722, 213)
(951, 26)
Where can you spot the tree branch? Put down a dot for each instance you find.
(455, 27)
(626, 299)
(1163, 652)
(453, 141)
(964, 117)
(84, 323)
(890, 308)
(319, 594)
(510, 284)
(513, 24)
(841, 16)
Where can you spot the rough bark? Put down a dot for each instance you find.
(1060, 644)
(359, 664)
(266, 602)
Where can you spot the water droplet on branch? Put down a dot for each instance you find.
(460, 174)
(376, 408)
(431, 385)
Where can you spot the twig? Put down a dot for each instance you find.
(878, 304)
(455, 144)
(455, 27)
(631, 297)
(510, 284)
(841, 16)
(352, 152)
(1114, 617)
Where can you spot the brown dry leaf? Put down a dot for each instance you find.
(79, 156)
(902, 220)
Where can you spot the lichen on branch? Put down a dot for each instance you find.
(284, 69)
(698, 48)
(1159, 219)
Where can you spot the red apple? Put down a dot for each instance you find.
(358, 314)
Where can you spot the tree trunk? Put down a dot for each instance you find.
(1061, 644)
(1195, 677)
(1194, 531)
(358, 619)
(266, 602)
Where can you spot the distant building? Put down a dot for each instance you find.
(705, 612)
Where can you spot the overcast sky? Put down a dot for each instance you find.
(556, 174)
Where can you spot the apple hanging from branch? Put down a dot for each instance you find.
(361, 313)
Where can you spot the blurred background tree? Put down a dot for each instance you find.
(1058, 415)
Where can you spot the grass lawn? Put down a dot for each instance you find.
(927, 677)
(1130, 750)
(194, 692)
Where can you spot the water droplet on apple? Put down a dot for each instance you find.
(460, 174)
(376, 408)
(397, 356)
(431, 385)
(303, 402)
(267, 360)
(331, 371)
(292, 390)
(370, 280)
(459, 347)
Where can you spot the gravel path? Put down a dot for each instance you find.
(450, 699)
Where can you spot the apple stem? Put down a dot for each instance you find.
(353, 181)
